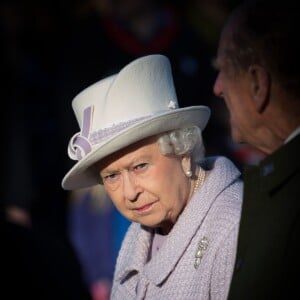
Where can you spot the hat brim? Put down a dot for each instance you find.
(83, 175)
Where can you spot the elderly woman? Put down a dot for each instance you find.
(147, 154)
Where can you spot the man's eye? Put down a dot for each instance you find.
(215, 64)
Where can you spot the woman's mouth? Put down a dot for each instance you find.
(144, 208)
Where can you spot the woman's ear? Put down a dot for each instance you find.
(260, 86)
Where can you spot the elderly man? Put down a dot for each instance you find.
(259, 79)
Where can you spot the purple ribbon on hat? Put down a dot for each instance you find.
(79, 145)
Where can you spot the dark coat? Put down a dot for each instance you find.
(267, 263)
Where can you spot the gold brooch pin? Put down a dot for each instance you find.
(202, 246)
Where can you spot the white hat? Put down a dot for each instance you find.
(138, 102)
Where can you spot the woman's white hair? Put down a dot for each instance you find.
(183, 141)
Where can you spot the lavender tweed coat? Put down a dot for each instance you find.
(212, 215)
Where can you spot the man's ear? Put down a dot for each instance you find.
(260, 86)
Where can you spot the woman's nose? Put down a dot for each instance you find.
(131, 188)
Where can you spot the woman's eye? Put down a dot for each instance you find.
(141, 166)
(110, 178)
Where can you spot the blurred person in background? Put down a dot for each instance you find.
(37, 261)
(30, 124)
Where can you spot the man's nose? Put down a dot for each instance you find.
(217, 88)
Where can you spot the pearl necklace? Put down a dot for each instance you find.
(200, 179)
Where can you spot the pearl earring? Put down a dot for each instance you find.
(188, 173)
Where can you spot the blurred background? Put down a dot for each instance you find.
(51, 50)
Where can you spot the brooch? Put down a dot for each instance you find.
(202, 246)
